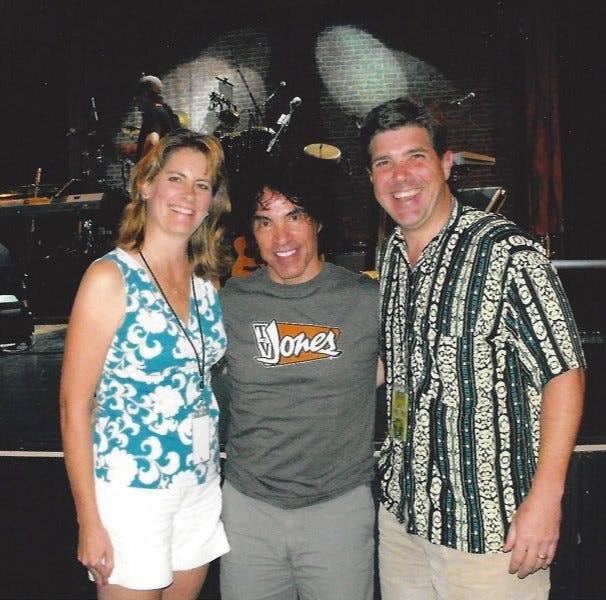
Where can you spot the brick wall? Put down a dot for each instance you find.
(342, 61)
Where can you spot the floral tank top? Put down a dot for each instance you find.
(150, 387)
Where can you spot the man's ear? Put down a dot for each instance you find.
(447, 162)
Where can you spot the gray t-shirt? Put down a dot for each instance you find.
(302, 373)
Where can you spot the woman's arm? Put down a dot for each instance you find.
(98, 309)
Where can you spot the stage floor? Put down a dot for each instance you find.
(38, 524)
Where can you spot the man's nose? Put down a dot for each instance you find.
(282, 233)
(401, 170)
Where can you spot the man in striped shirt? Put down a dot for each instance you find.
(484, 376)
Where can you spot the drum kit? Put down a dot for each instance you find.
(246, 135)
(243, 146)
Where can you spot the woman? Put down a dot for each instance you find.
(145, 329)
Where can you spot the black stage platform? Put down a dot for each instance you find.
(38, 527)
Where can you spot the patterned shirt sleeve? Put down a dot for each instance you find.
(546, 334)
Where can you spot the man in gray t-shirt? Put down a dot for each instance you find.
(302, 361)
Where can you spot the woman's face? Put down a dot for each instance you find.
(179, 197)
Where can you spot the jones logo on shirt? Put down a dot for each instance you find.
(288, 343)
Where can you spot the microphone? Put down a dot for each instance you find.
(284, 121)
(463, 99)
(57, 196)
(281, 85)
(94, 107)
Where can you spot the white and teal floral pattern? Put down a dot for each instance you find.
(149, 387)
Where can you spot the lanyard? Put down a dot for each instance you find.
(199, 359)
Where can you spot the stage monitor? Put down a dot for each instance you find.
(488, 199)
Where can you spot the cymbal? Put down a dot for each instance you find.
(131, 130)
(229, 116)
(24, 191)
(323, 151)
(230, 135)
(184, 119)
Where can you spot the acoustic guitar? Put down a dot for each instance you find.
(245, 263)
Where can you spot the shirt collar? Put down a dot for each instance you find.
(426, 260)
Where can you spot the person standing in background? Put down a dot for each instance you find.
(158, 117)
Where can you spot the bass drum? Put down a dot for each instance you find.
(241, 147)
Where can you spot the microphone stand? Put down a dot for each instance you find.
(257, 109)
(283, 122)
(57, 196)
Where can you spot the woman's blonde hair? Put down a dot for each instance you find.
(208, 249)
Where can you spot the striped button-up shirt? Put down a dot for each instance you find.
(471, 333)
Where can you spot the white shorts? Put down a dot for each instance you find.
(156, 532)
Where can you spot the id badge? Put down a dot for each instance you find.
(201, 437)
(399, 414)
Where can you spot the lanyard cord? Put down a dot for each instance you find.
(199, 360)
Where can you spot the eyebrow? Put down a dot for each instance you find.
(175, 172)
(256, 218)
(295, 211)
(407, 153)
